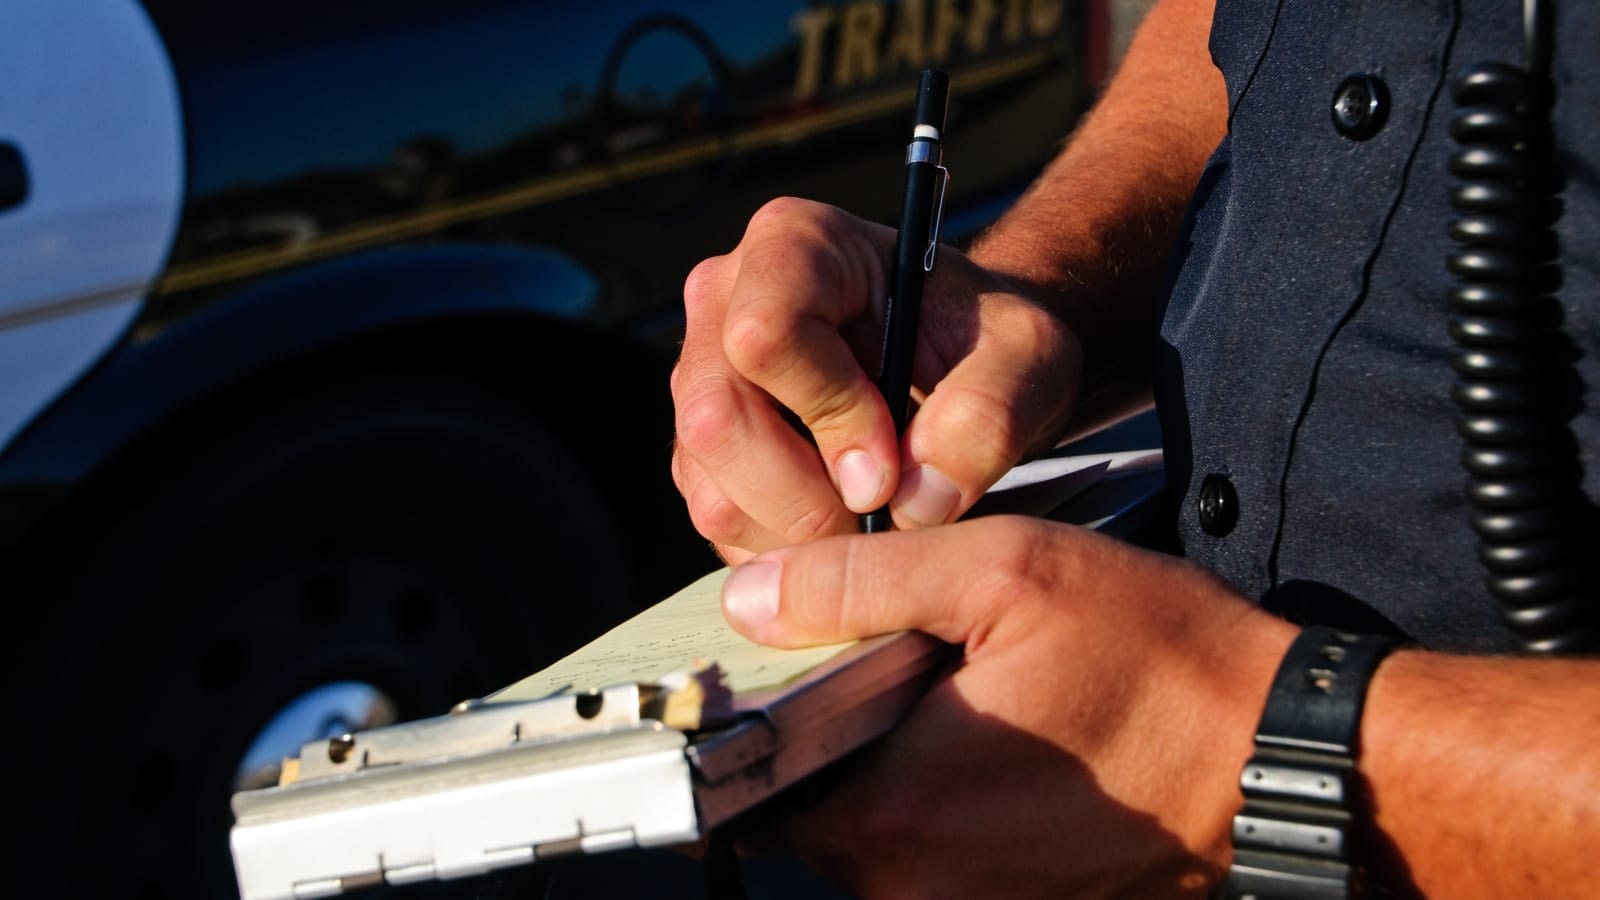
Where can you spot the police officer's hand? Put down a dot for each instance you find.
(1088, 743)
(790, 323)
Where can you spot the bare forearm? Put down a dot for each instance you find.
(1092, 234)
(1485, 774)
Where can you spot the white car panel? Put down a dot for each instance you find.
(91, 102)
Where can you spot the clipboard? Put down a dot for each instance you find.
(677, 743)
(506, 780)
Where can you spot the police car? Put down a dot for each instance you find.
(334, 343)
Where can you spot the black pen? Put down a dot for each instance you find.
(926, 179)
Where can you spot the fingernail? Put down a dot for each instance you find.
(750, 595)
(860, 479)
(926, 496)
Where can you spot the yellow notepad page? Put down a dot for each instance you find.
(682, 633)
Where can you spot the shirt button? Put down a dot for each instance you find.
(1360, 106)
(1218, 505)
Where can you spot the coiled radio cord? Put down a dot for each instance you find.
(1516, 390)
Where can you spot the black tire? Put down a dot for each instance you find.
(409, 530)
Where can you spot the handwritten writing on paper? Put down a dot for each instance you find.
(685, 631)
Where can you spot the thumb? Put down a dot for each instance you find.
(854, 586)
(1010, 394)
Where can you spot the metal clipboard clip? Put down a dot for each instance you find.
(503, 784)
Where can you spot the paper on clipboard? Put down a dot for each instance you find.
(685, 632)
(687, 629)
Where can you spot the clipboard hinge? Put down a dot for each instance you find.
(465, 815)
(735, 751)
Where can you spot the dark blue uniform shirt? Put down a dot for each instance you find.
(1305, 355)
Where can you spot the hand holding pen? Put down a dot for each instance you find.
(783, 329)
(916, 246)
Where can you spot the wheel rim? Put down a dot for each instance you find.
(325, 711)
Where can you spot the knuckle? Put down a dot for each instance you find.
(1028, 561)
(700, 285)
(754, 339)
(1017, 551)
(1035, 328)
(828, 413)
(793, 259)
(679, 378)
(782, 212)
(991, 435)
(707, 420)
(808, 522)
(717, 518)
(691, 381)
(679, 467)
(862, 598)
(712, 513)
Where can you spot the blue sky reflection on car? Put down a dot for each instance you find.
(482, 59)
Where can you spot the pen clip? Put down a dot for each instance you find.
(938, 217)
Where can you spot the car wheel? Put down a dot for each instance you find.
(361, 547)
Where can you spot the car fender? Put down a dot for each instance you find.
(157, 373)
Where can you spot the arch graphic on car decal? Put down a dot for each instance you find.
(548, 189)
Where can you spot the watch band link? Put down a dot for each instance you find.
(1291, 840)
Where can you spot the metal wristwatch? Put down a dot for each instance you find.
(1292, 838)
